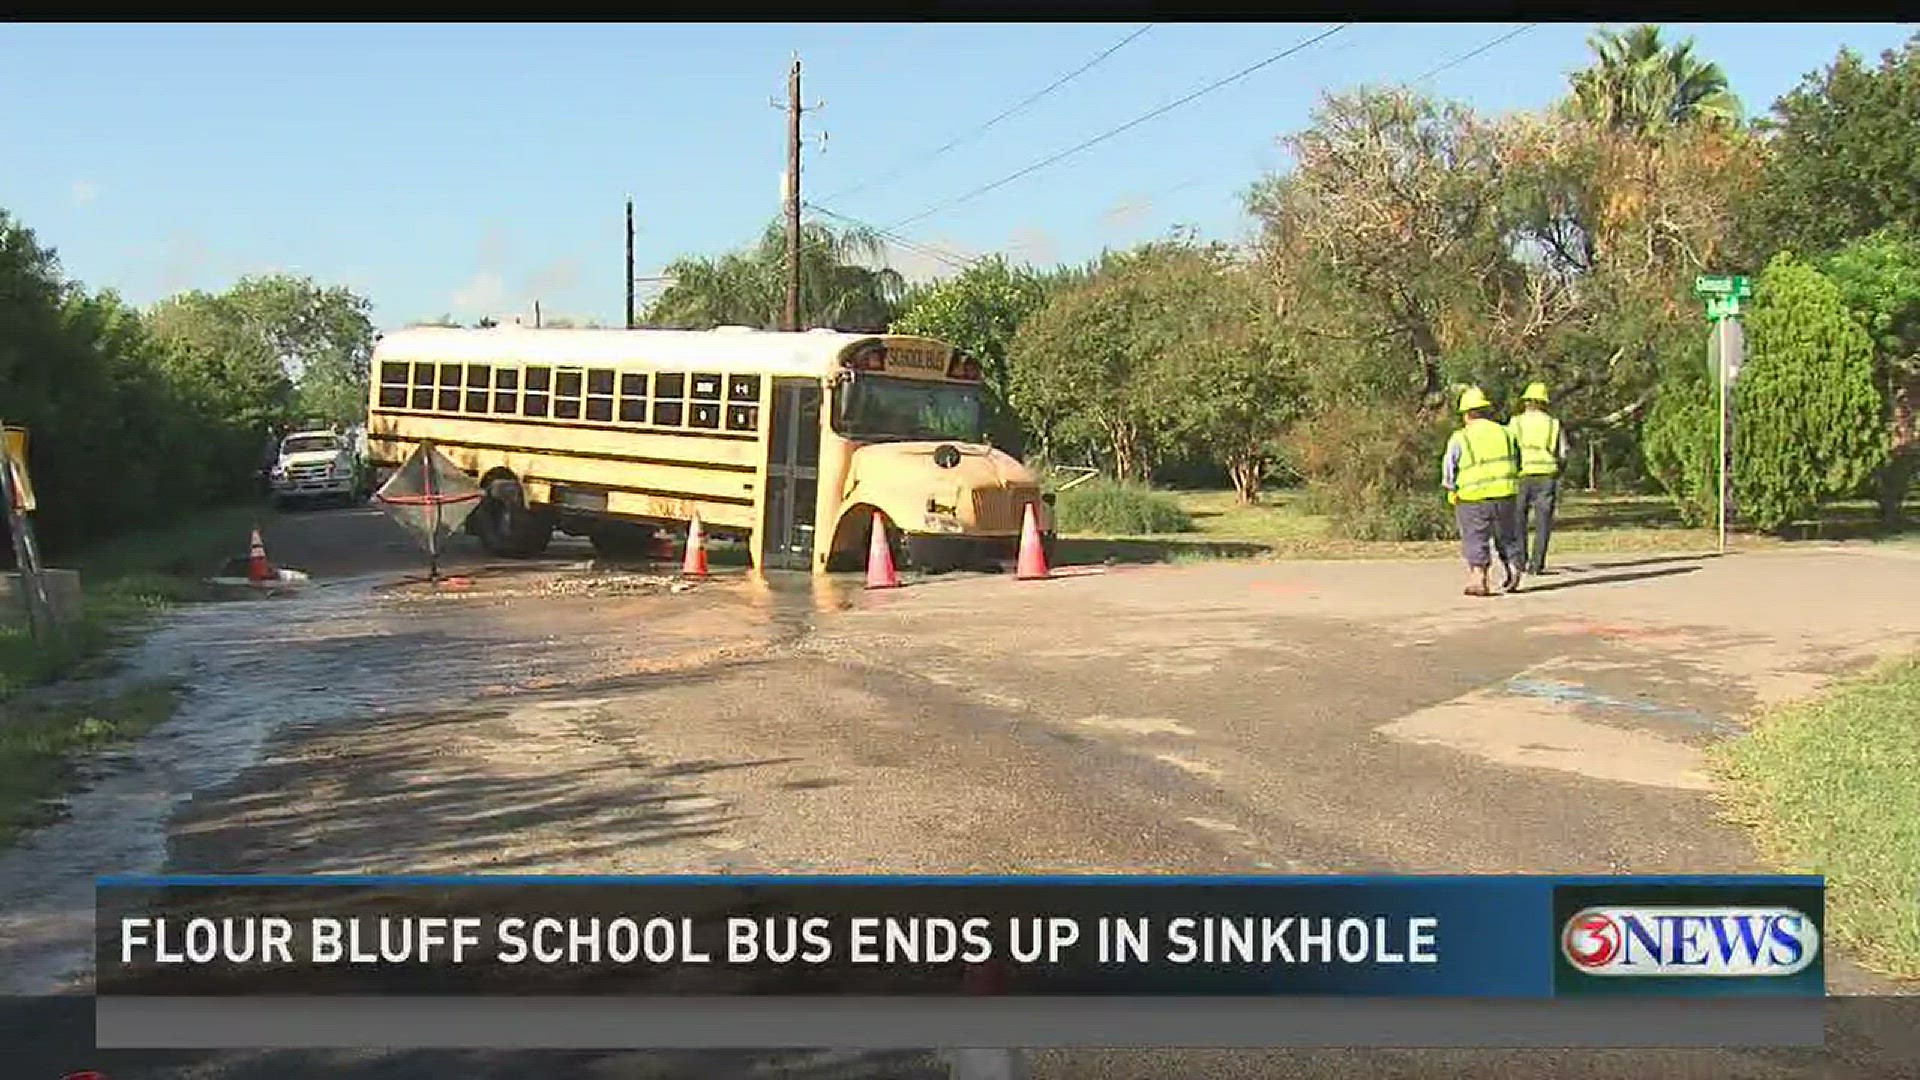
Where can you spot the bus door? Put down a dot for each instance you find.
(793, 471)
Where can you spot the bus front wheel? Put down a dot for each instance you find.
(508, 528)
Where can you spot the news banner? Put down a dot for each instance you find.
(927, 962)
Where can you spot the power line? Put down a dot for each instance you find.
(975, 133)
(957, 262)
(1464, 57)
(1129, 125)
(1446, 65)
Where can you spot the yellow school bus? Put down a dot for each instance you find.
(788, 441)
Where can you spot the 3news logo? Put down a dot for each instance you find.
(1689, 938)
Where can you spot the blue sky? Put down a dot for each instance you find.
(474, 169)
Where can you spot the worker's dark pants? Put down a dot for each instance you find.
(1539, 497)
(1489, 520)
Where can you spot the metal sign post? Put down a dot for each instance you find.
(18, 496)
(1723, 294)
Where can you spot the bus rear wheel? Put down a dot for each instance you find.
(508, 528)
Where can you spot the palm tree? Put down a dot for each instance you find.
(840, 285)
(1644, 87)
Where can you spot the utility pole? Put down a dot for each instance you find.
(793, 196)
(629, 262)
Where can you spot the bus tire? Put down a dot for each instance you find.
(622, 541)
(857, 531)
(508, 528)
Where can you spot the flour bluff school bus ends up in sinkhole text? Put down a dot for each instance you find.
(789, 441)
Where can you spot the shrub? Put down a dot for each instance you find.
(1375, 472)
(1114, 508)
(1808, 417)
(1679, 445)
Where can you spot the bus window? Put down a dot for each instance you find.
(393, 385)
(706, 387)
(449, 387)
(633, 398)
(566, 393)
(743, 418)
(705, 415)
(539, 381)
(669, 390)
(506, 390)
(600, 394)
(479, 376)
(422, 386)
(744, 388)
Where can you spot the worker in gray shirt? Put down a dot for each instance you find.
(1543, 456)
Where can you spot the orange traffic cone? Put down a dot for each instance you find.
(257, 568)
(695, 562)
(880, 571)
(1033, 558)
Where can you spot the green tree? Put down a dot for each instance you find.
(1808, 422)
(1679, 446)
(129, 424)
(1073, 381)
(1172, 348)
(1231, 383)
(1387, 235)
(1879, 279)
(223, 367)
(1845, 156)
(322, 334)
(979, 310)
(1641, 85)
(839, 286)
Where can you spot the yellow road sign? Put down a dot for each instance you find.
(16, 450)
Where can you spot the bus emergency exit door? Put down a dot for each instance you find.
(793, 471)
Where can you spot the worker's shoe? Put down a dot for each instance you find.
(1511, 583)
(1477, 582)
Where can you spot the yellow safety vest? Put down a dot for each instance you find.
(1539, 437)
(1489, 466)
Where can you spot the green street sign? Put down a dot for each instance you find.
(1734, 285)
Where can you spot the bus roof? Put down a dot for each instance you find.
(814, 352)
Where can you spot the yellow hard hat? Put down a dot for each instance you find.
(1535, 392)
(1474, 398)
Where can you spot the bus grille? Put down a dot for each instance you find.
(1001, 509)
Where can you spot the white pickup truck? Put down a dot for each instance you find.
(315, 465)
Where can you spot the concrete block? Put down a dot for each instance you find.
(63, 594)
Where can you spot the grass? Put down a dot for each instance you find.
(1104, 506)
(1281, 525)
(123, 581)
(1832, 786)
(40, 749)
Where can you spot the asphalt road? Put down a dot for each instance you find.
(1282, 717)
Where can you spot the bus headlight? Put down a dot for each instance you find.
(941, 523)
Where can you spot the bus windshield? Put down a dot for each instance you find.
(878, 407)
